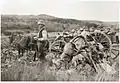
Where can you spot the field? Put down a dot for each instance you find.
(24, 69)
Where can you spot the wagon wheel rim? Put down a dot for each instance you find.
(102, 38)
(115, 51)
(57, 46)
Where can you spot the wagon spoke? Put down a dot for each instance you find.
(100, 37)
(96, 37)
(114, 53)
(106, 45)
(103, 39)
(116, 56)
(115, 49)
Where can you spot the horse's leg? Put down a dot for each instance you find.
(34, 57)
(35, 54)
(19, 51)
(27, 51)
(23, 51)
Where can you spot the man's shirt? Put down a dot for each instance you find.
(85, 33)
(44, 35)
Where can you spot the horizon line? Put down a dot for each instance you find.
(59, 17)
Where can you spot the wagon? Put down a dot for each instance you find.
(110, 50)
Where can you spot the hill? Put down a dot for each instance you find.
(29, 23)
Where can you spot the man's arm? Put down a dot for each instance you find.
(44, 34)
(37, 34)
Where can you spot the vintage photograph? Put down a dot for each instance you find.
(60, 40)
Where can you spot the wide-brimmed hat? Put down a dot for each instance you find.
(73, 30)
(41, 22)
(81, 29)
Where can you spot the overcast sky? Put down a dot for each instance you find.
(76, 9)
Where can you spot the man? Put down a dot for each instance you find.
(11, 38)
(68, 52)
(72, 32)
(85, 32)
(97, 30)
(42, 40)
(42, 34)
(66, 34)
(111, 34)
(81, 30)
(117, 37)
(91, 29)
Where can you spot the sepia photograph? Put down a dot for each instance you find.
(59, 40)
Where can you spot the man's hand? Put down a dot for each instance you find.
(40, 39)
(35, 38)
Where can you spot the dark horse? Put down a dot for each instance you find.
(28, 43)
(23, 45)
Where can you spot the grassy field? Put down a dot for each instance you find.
(23, 69)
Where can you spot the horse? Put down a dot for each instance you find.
(23, 45)
(11, 38)
(14, 39)
(29, 43)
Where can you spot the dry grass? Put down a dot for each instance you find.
(21, 70)
(37, 71)
(24, 70)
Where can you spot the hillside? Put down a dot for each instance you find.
(29, 22)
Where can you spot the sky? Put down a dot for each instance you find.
(75, 9)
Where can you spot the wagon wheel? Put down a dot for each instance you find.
(103, 39)
(115, 51)
(57, 46)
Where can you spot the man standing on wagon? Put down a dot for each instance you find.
(42, 40)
